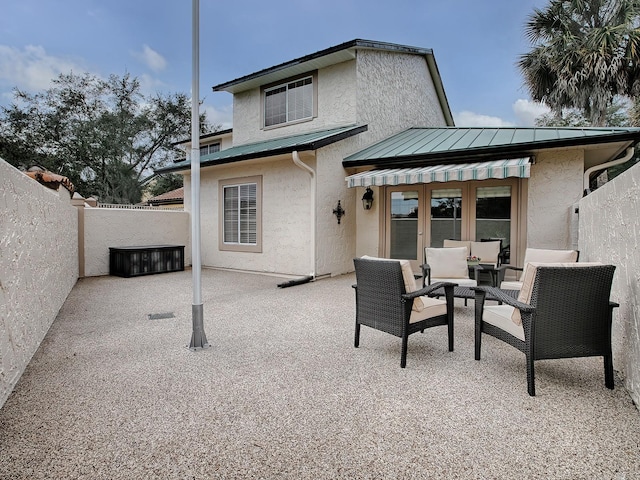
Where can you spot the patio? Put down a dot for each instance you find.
(282, 393)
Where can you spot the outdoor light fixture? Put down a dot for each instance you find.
(367, 199)
(339, 212)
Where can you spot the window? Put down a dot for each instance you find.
(289, 102)
(207, 149)
(240, 213)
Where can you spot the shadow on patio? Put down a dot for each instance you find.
(282, 393)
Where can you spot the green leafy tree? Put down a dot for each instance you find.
(585, 53)
(105, 135)
(165, 183)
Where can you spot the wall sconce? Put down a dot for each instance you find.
(339, 212)
(367, 199)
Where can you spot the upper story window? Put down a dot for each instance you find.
(207, 149)
(289, 102)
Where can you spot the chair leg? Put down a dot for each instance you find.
(356, 342)
(608, 371)
(403, 358)
(478, 340)
(450, 333)
(531, 381)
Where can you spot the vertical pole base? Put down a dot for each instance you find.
(198, 337)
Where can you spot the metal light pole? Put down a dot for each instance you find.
(198, 337)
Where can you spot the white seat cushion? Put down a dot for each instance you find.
(511, 285)
(487, 252)
(458, 243)
(407, 277)
(529, 276)
(447, 262)
(433, 307)
(501, 317)
(462, 282)
(548, 256)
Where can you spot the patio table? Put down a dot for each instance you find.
(469, 293)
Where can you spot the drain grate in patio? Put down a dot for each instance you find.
(160, 316)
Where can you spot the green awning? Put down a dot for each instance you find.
(519, 167)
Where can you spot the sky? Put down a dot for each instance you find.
(476, 44)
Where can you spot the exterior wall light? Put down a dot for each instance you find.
(367, 199)
(339, 212)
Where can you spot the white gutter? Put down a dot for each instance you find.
(312, 173)
(603, 166)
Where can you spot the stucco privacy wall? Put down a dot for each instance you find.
(610, 233)
(114, 227)
(555, 186)
(38, 267)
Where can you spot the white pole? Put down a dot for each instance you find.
(198, 337)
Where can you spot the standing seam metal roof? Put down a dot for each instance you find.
(268, 148)
(464, 144)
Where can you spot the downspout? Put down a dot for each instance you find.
(312, 173)
(587, 174)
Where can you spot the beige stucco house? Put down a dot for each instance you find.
(282, 192)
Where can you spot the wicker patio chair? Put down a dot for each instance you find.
(534, 255)
(562, 311)
(387, 300)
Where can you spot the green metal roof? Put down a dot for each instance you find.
(269, 148)
(416, 146)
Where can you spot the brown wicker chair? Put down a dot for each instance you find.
(568, 314)
(383, 302)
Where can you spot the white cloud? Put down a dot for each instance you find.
(471, 119)
(527, 111)
(151, 58)
(31, 68)
(219, 116)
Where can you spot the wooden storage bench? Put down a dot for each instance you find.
(145, 260)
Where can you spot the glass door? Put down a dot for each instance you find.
(493, 215)
(446, 216)
(404, 226)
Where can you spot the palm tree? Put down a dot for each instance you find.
(585, 53)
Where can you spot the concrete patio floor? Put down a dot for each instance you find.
(282, 393)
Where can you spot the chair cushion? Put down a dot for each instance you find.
(433, 307)
(458, 243)
(501, 317)
(529, 276)
(450, 262)
(548, 256)
(488, 252)
(508, 285)
(462, 282)
(407, 277)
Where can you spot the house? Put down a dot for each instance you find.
(282, 192)
(171, 199)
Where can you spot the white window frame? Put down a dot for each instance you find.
(211, 148)
(289, 87)
(239, 246)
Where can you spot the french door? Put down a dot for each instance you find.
(424, 215)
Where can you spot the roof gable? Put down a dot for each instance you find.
(332, 56)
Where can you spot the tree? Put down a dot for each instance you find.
(586, 52)
(165, 183)
(105, 135)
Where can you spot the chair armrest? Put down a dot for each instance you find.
(427, 290)
(499, 295)
(503, 268)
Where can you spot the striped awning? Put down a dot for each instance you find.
(442, 173)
